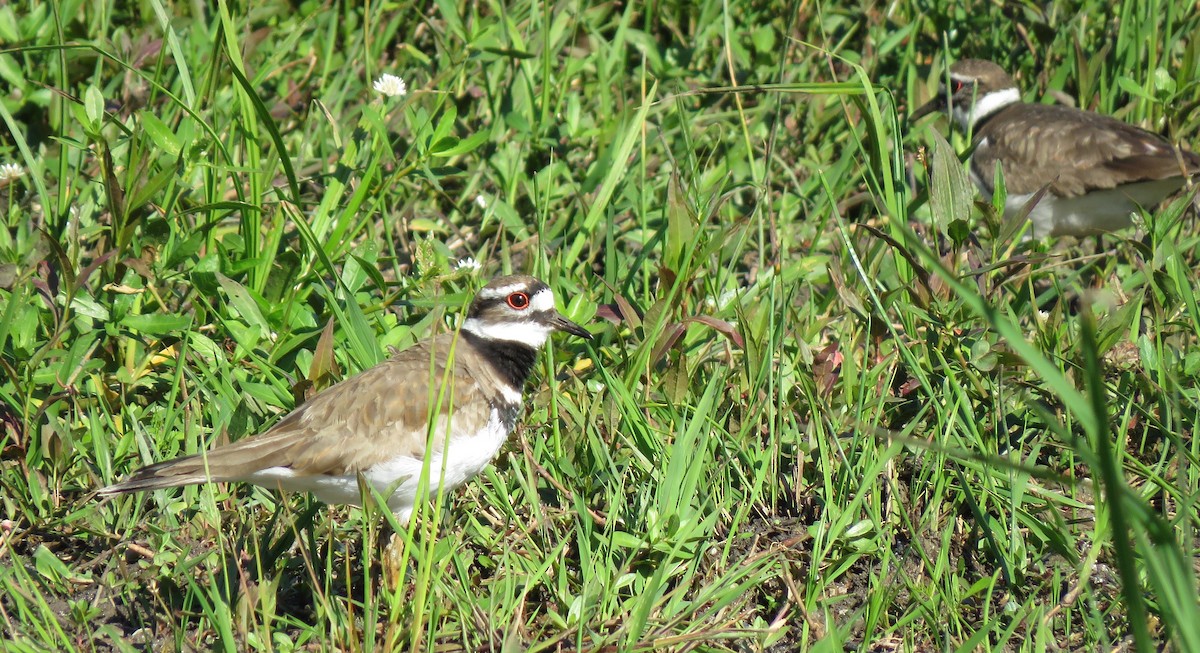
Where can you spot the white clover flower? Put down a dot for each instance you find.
(390, 85)
(9, 172)
(481, 201)
(468, 264)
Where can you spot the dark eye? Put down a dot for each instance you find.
(956, 85)
(519, 301)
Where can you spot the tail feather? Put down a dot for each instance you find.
(188, 470)
(232, 462)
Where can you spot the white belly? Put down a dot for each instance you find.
(1095, 212)
(465, 456)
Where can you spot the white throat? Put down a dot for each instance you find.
(526, 332)
(985, 105)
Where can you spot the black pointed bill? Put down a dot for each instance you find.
(563, 324)
(938, 103)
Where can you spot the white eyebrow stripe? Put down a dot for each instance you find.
(539, 302)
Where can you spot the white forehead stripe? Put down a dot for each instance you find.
(503, 291)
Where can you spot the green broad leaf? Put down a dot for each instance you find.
(205, 347)
(85, 305)
(463, 146)
(443, 145)
(10, 71)
(775, 636)
(764, 38)
(1121, 324)
(156, 323)
(51, 567)
(78, 356)
(507, 216)
(449, 14)
(93, 107)
(950, 190)
(354, 272)
(150, 187)
(581, 309)
(9, 31)
(1163, 81)
(263, 392)
(79, 112)
(445, 125)
(982, 356)
(161, 134)
(646, 45)
(681, 230)
(999, 190)
(623, 540)
(245, 305)
(426, 224)
(247, 338)
(959, 231)
(185, 248)
(370, 269)
(34, 21)
(517, 122)
(1133, 88)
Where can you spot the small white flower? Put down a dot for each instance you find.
(726, 297)
(391, 85)
(1138, 219)
(9, 172)
(481, 201)
(468, 264)
(723, 300)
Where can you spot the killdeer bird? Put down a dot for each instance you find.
(453, 398)
(1097, 170)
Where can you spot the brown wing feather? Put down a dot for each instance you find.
(388, 408)
(1101, 152)
(369, 418)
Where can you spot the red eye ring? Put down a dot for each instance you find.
(518, 300)
(956, 85)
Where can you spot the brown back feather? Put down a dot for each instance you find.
(1099, 151)
(369, 418)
